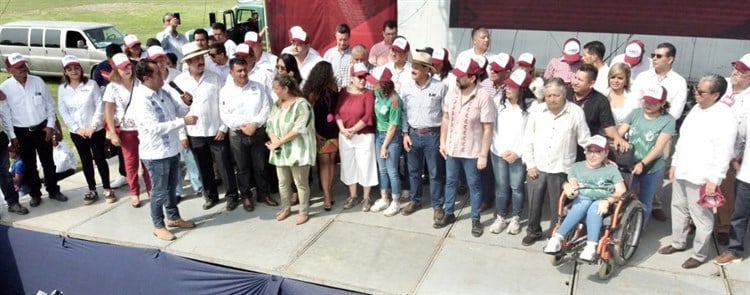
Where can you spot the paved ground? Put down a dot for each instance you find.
(371, 253)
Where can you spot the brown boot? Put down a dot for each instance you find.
(163, 234)
(180, 223)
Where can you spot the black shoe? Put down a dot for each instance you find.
(722, 238)
(18, 209)
(59, 197)
(476, 228)
(178, 199)
(530, 239)
(659, 215)
(232, 203)
(446, 220)
(35, 201)
(210, 203)
(89, 198)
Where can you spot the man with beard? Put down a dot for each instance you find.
(340, 56)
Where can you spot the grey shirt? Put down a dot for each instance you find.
(423, 106)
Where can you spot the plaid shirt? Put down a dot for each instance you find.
(341, 62)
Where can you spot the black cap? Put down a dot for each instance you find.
(427, 50)
(112, 49)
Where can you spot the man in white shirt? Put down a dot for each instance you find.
(500, 67)
(400, 65)
(207, 138)
(633, 56)
(220, 65)
(550, 141)
(340, 56)
(254, 72)
(380, 52)
(265, 60)
(593, 53)
(480, 41)
(306, 57)
(159, 118)
(170, 39)
(221, 37)
(31, 111)
(244, 106)
(700, 162)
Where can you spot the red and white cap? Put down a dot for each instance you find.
(466, 66)
(439, 56)
(296, 33)
(634, 52)
(243, 50)
(155, 52)
(400, 44)
(527, 60)
(15, 60)
(654, 94)
(121, 60)
(130, 41)
(519, 78)
(358, 69)
(379, 74)
(572, 50)
(501, 62)
(251, 38)
(597, 143)
(70, 60)
(743, 64)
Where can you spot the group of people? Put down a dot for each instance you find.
(392, 115)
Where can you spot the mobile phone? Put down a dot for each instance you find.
(177, 15)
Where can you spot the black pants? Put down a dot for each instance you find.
(6, 181)
(206, 151)
(251, 156)
(31, 143)
(91, 150)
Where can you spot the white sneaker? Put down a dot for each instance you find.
(379, 205)
(588, 252)
(554, 245)
(515, 225)
(120, 181)
(392, 209)
(499, 225)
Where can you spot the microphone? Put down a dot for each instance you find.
(176, 88)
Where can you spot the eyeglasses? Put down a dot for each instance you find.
(656, 55)
(701, 92)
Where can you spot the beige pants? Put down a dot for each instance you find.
(298, 174)
(684, 208)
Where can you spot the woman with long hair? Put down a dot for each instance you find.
(287, 64)
(322, 93)
(121, 126)
(80, 105)
(132, 48)
(527, 62)
(291, 132)
(506, 150)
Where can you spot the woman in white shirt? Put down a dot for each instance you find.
(621, 100)
(121, 126)
(506, 151)
(80, 105)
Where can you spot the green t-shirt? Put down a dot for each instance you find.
(643, 134)
(385, 114)
(595, 184)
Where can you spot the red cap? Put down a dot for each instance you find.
(634, 52)
(501, 62)
(466, 66)
(379, 74)
(519, 78)
(743, 64)
(527, 60)
(655, 94)
(358, 69)
(400, 44)
(439, 56)
(572, 50)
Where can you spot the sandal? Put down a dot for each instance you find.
(327, 203)
(366, 205)
(351, 202)
(135, 201)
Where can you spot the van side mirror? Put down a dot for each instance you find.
(81, 44)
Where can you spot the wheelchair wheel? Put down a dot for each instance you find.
(628, 233)
(557, 260)
(605, 269)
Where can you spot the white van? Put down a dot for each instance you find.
(44, 43)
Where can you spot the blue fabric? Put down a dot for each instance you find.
(740, 218)
(32, 261)
(192, 171)
(646, 185)
(425, 148)
(164, 174)
(453, 166)
(583, 207)
(509, 180)
(388, 168)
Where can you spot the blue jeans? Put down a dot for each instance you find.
(740, 218)
(583, 207)
(508, 183)
(453, 166)
(647, 185)
(426, 148)
(192, 170)
(163, 180)
(388, 168)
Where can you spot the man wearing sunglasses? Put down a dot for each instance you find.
(220, 62)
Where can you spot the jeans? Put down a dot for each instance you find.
(583, 207)
(163, 178)
(91, 150)
(453, 166)
(508, 183)
(425, 148)
(388, 175)
(647, 185)
(740, 218)
(192, 170)
(206, 151)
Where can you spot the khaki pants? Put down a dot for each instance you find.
(724, 213)
(684, 208)
(298, 174)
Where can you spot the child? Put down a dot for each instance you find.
(16, 172)
(598, 185)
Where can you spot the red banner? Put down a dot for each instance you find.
(319, 19)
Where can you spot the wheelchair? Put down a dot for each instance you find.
(618, 239)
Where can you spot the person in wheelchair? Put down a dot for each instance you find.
(593, 185)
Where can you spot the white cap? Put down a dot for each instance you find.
(15, 60)
(251, 38)
(526, 60)
(296, 33)
(130, 41)
(121, 60)
(69, 60)
(155, 52)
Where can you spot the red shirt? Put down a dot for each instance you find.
(353, 108)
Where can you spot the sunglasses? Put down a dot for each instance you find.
(362, 77)
(656, 56)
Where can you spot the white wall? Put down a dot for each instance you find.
(425, 23)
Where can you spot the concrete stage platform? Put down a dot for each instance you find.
(371, 253)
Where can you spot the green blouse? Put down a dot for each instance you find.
(385, 114)
(299, 117)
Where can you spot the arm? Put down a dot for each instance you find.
(96, 94)
(485, 149)
(49, 104)
(444, 133)
(624, 127)
(528, 143)
(5, 117)
(302, 121)
(677, 103)
(67, 116)
(394, 121)
(653, 154)
(367, 119)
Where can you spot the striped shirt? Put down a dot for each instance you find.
(423, 106)
(340, 63)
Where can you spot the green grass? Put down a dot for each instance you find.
(139, 17)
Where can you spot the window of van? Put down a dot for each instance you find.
(104, 36)
(14, 36)
(35, 38)
(52, 38)
(72, 38)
